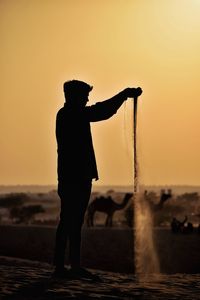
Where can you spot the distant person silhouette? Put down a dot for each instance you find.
(175, 225)
(178, 226)
(189, 228)
(77, 166)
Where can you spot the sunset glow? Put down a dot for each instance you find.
(111, 45)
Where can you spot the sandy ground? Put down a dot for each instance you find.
(24, 280)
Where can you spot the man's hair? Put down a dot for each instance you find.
(76, 88)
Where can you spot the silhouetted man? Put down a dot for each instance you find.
(77, 166)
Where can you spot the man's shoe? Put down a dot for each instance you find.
(61, 273)
(82, 273)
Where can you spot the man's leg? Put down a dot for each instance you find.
(62, 232)
(79, 206)
(61, 241)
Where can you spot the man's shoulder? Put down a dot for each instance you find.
(61, 112)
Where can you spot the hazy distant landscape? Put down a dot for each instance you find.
(29, 216)
(40, 205)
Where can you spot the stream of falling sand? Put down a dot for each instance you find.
(146, 259)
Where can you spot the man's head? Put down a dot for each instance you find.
(76, 92)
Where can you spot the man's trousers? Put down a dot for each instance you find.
(74, 201)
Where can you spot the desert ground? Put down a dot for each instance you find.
(28, 280)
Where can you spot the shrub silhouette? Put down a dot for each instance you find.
(11, 200)
(25, 214)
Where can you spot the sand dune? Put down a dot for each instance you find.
(26, 280)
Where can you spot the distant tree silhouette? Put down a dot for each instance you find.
(12, 200)
(188, 197)
(25, 214)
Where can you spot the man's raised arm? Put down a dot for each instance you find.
(106, 109)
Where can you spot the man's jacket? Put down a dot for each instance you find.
(76, 157)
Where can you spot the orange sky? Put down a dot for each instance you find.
(111, 45)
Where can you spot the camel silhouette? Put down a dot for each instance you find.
(164, 196)
(106, 205)
(148, 199)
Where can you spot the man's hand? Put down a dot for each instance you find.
(133, 92)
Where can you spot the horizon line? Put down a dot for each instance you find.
(54, 184)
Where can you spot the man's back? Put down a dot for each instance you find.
(76, 158)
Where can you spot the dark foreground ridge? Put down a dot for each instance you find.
(24, 280)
